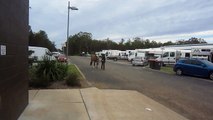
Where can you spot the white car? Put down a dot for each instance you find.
(139, 61)
(56, 54)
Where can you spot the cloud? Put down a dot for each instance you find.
(123, 19)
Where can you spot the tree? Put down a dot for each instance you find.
(121, 44)
(41, 39)
(128, 45)
(168, 43)
(192, 40)
(80, 42)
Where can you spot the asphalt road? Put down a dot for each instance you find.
(189, 96)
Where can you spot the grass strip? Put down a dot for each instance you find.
(167, 69)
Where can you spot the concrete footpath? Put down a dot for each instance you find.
(94, 104)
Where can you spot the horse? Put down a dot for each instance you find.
(94, 60)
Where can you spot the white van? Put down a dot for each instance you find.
(113, 54)
(122, 55)
(131, 55)
(171, 56)
(38, 53)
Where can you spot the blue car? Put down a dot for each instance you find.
(195, 67)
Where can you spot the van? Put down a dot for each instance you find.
(38, 53)
(113, 54)
(131, 55)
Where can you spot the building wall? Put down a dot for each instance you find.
(14, 64)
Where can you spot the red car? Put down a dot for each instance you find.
(62, 58)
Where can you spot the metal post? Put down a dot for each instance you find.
(68, 27)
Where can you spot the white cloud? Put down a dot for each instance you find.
(207, 35)
(124, 18)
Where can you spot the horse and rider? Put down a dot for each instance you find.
(95, 61)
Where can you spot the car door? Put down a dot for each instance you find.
(186, 67)
(172, 57)
(165, 58)
(198, 69)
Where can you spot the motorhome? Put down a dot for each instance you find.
(202, 52)
(38, 53)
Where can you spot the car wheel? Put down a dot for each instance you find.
(211, 75)
(180, 72)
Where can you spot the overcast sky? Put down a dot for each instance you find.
(159, 20)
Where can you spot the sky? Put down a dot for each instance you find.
(159, 20)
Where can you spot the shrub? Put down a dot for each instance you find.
(72, 79)
(46, 72)
(62, 70)
(47, 69)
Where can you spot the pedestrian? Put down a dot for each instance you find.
(103, 60)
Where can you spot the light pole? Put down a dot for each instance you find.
(68, 19)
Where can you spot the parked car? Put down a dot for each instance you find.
(56, 54)
(195, 67)
(62, 58)
(140, 58)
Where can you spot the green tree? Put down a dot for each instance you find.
(41, 39)
(192, 40)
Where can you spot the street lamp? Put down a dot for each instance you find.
(68, 19)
